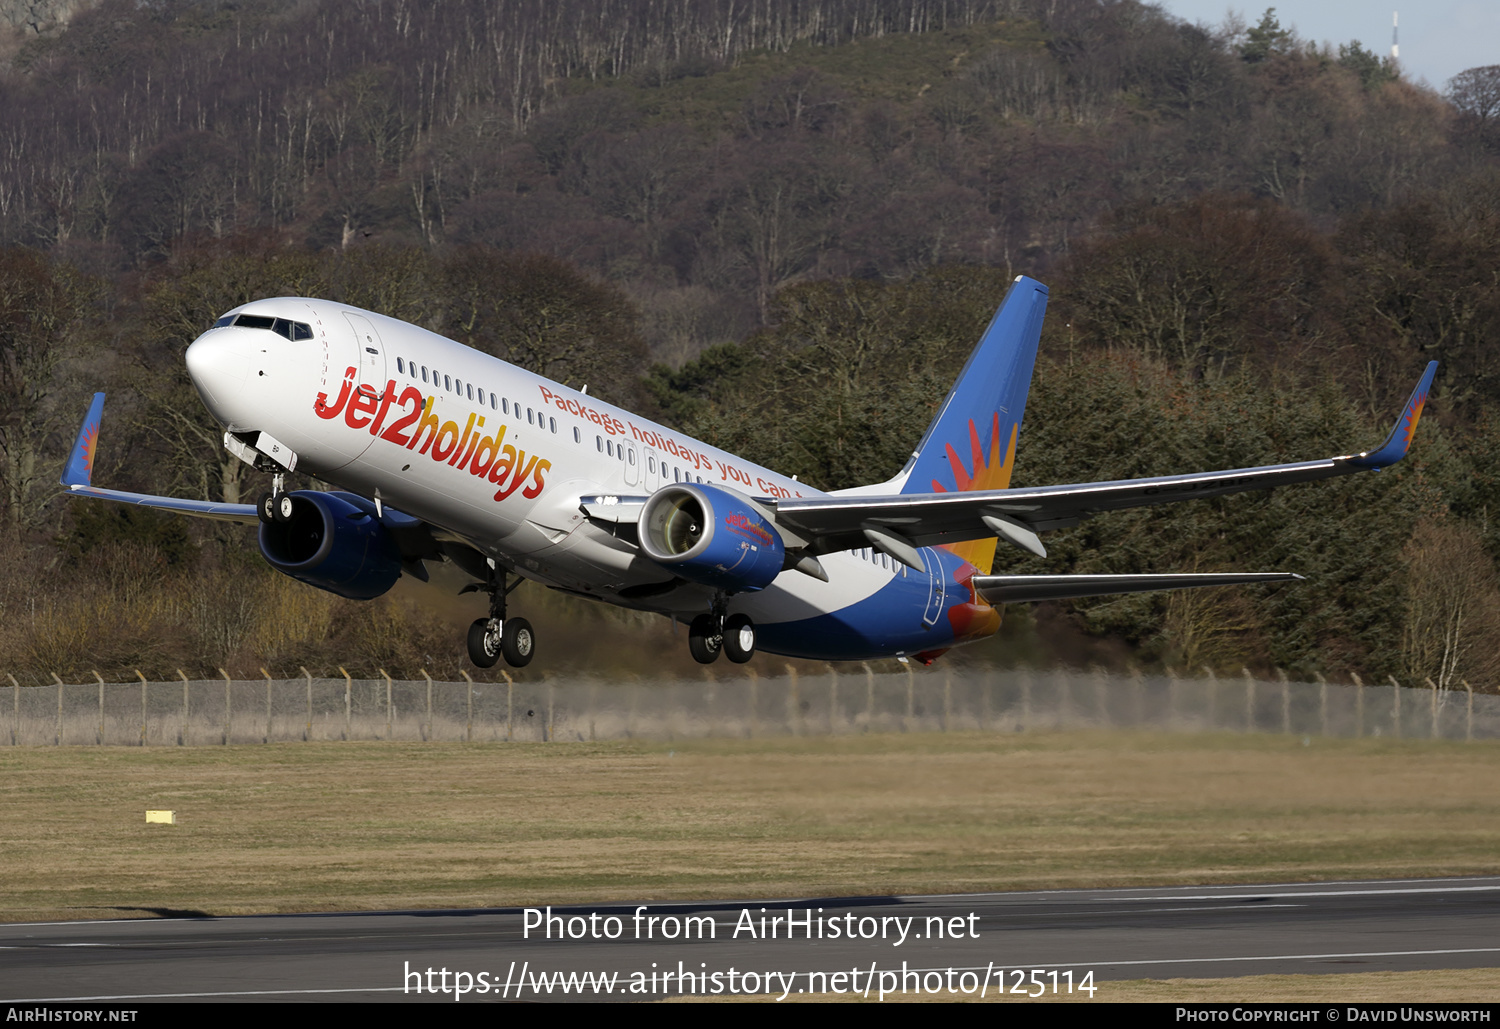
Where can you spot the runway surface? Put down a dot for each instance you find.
(964, 944)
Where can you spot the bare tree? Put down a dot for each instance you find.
(1452, 629)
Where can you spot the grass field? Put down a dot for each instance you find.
(332, 826)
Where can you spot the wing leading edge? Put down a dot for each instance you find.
(933, 519)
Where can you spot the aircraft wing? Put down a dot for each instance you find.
(78, 475)
(831, 524)
(415, 538)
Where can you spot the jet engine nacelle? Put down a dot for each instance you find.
(334, 545)
(712, 536)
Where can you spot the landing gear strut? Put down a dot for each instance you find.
(276, 506)
(709, 634)
(496, 636)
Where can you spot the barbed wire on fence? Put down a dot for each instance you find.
(847, 700)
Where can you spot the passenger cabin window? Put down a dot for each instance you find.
(400, 368)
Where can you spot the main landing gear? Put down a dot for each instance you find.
(711, 633)
(496, 636)
(276, 506)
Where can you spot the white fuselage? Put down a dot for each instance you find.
(502, 458)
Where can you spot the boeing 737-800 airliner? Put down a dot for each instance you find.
(442, 453)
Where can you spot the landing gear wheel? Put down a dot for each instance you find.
(739, 638)
(518, 643)
(266, 507)
(705, 639)
(484, 645)
(284, 507)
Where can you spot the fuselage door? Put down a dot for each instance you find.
(632, 468)
(371, 354)
(936, 589)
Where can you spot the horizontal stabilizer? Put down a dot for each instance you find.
(1012, 589)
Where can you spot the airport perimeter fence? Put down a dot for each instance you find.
(847, 700)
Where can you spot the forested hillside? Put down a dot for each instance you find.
(780, 226)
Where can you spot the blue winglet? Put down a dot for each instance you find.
(1399, 441)
(80, 468)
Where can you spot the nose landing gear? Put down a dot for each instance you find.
(277, 505)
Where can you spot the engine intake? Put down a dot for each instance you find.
(333, 542)
(711, 535)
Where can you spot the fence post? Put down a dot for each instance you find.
(1395, 705)
(469, 725)
(15, 710)
(99, 736)
(182, 734)
(1286, 702)
(390, 714)
(947, 699)
(228, 720)
(794, 700)
(1213, 697)
(1173, 684)
(754, 702)
(307, 731)
(1322, 704)
(1359, 705)
(1469, 725)
(833, 699)
(1433, 732)
(348, 702)
(428, 737)
(510, 706)
(268, 703)
(984, 700)
(548, 729)
(1249, 699)
(57, 738)
(910, 698)
(141, 677)
(869, 695)
(1025, 678)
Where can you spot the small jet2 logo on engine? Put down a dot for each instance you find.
(743, 526)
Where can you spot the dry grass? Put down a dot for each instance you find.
(295, 827)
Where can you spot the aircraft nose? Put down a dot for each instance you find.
(218, 369)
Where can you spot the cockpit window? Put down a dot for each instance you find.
(281, 326)
(228, 319)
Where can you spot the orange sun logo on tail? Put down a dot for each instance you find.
(86, 447)
(985, 472)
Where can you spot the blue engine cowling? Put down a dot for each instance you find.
(333, 541)
(711, 535)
